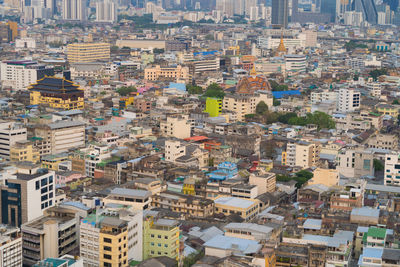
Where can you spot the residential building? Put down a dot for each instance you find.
(176, 126)
(24, 151)
(327, 177)
(295, 63)
(354, 162)
(175, 74)
(250, 231)
(111, 237)
(387, 109)
(302, 154)
(245, 208)
(54, 234)
(186, 154)
(225, 170)
(221, 246)
(160, 238)
(11, 133)
(242, 105)
(87, 52)
(60, 136)
(349, 100)
(106, 11)
(213, 106)
(95, 154)
(383, 141)
(392, 169)
(205, 64)
(52, 162)
(189, 206)
(74, 10)
(56, 93)
(10, 246)
(137, 199)
(19, 74)
(27, 195)
(265, 181)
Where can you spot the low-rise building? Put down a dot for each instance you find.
(138, 199)
(245, 208)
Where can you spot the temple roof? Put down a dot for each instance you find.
(55, 85)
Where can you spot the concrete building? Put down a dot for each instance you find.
(10, 246)
(245, 208)
(280, 13)
(265, 182)
(61, 136)
(27, 195)
(349, 100)
(178, 73)
(302, 154)
(137, 199)
(327, 177)
(54, 234)
(176, 126)
(186, 154)
(250, 231)
(106, 11)
(24, 151)
(74, 10)
(10, 133)
(295, 63)
(19, 74)
(111, 237)
(87, 52)
(356, 163)
(221, 246)
(160, 238)
(392, 169)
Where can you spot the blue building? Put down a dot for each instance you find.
(225, 170)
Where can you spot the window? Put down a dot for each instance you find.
(106, 248)
(106, 256)
(43, 182)
(107, 240)
(37, 185)
(50, 179)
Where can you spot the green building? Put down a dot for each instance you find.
(213, 106)
(160, 238)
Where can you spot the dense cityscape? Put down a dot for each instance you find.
(227, 133)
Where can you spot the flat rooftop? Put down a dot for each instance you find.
(234, 202)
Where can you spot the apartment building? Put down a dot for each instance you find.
(302, 154)
(185, 154)
(156, 73)
(138, 199)
(295, 63)
(61, 136)
(19, 74)
(242, 105)
(245, 208)
(10, 246)
(111, 237)
(160, 237)
(176, 126)
(354, 162)
(324, 96)
(88, 52)
(206, 64)
(24, 151)
(93, 155)
(10, 134)
(392, 169)
(349, 100)
(52, 235)
(383, 141)
(265, 182)
(27, 195)
(190, 206)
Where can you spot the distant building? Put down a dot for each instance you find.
(74, 10)
(247, 209)
(106, 11)
(280, 13)
(87, 52)
(11, 133)
(178, 73)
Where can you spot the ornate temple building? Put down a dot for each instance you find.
(56, 93)
(253, 83)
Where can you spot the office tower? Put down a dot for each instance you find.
(239, 7)
(226, 7)
(88, 52)
(248, 4)
(368, 9)
(280, 13)
(106, 11)
(10, 133)
(26, 195)
(329, 7)
(74, 10)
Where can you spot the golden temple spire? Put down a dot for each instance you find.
(253, 71)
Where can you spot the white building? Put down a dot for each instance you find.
(349, 100)
(324, 96)
(20, 74)
(176, 126)
(353, 18)
(392, 169)
(10, 247)
(106, 11)
(25, 43)
(295, 63)
(95, 154)
(74, 10)
(10, 133)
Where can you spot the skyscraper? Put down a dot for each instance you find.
(280, 13)
(74, 10)
(329, 7)
(368, 9)
(106, 11)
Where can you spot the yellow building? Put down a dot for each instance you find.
(88, 52)
(387, 109)
(166, 73)
(56, 93)
(14, 29)
(24, 151)
(113, 242)
(327, 177)
(51, 162)
(189, 186)
(245, 208)
(160, 238)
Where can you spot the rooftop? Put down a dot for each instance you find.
(125, 192)
(235, 202)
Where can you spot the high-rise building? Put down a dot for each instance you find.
(368, 9)
(329, 7)
(106, 11)
(280, 11)
(74, 10)
(392, 169)
(27, 195)
(88, 52)
(349, 100)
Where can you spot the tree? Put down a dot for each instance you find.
(261, 108)
(284, 118)
(377, 72)
(158, 50)
(396, 102)
(378, 166)
(126, 90)
(214, 90)
(276, 102)
(194, 89)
